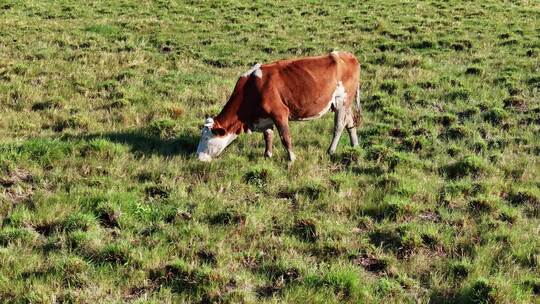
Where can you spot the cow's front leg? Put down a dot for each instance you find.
(268, 140)
(282, 124)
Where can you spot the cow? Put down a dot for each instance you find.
(287, 90)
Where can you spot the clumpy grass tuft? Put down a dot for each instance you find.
(467, 166)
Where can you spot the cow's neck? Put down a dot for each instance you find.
(228, 119)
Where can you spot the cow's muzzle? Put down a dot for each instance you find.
(204, 157)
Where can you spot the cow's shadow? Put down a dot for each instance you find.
(142, 144)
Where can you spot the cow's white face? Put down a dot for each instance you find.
(213, 141)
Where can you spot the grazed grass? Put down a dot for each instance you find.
(101, 200)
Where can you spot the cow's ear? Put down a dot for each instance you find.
(218, 131)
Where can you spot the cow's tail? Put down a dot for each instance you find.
(358, 111)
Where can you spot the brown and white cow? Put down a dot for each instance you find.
(283, 91)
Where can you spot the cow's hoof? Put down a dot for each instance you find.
(267, 154)
(292, 157)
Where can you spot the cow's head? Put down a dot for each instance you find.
(214, 139)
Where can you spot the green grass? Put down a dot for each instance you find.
(101, 199)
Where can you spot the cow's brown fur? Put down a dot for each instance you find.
(295, 89)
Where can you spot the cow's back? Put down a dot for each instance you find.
(307, 86)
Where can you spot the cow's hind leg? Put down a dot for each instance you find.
(339, 124)
(282, 124)
(351, 128)
(268, 140)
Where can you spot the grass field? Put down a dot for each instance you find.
(102, 200)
